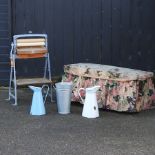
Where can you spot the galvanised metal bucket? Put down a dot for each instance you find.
(63, 95)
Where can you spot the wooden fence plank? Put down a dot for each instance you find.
(106, 29)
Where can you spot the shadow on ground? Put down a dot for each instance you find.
(112, 133)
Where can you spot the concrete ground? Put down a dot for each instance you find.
(112, 133)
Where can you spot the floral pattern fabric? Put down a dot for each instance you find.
(121, 89)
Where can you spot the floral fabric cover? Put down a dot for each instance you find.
(122, 89)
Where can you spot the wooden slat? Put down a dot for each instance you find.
(21, 82)
(28, 56)
(31, 44)
(31, 50)
(30, 40)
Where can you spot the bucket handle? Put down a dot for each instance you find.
(47, 90)
(80, 94)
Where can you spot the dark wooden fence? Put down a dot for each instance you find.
(5, 30)
(114, 32)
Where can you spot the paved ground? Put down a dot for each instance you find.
(112, 133)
